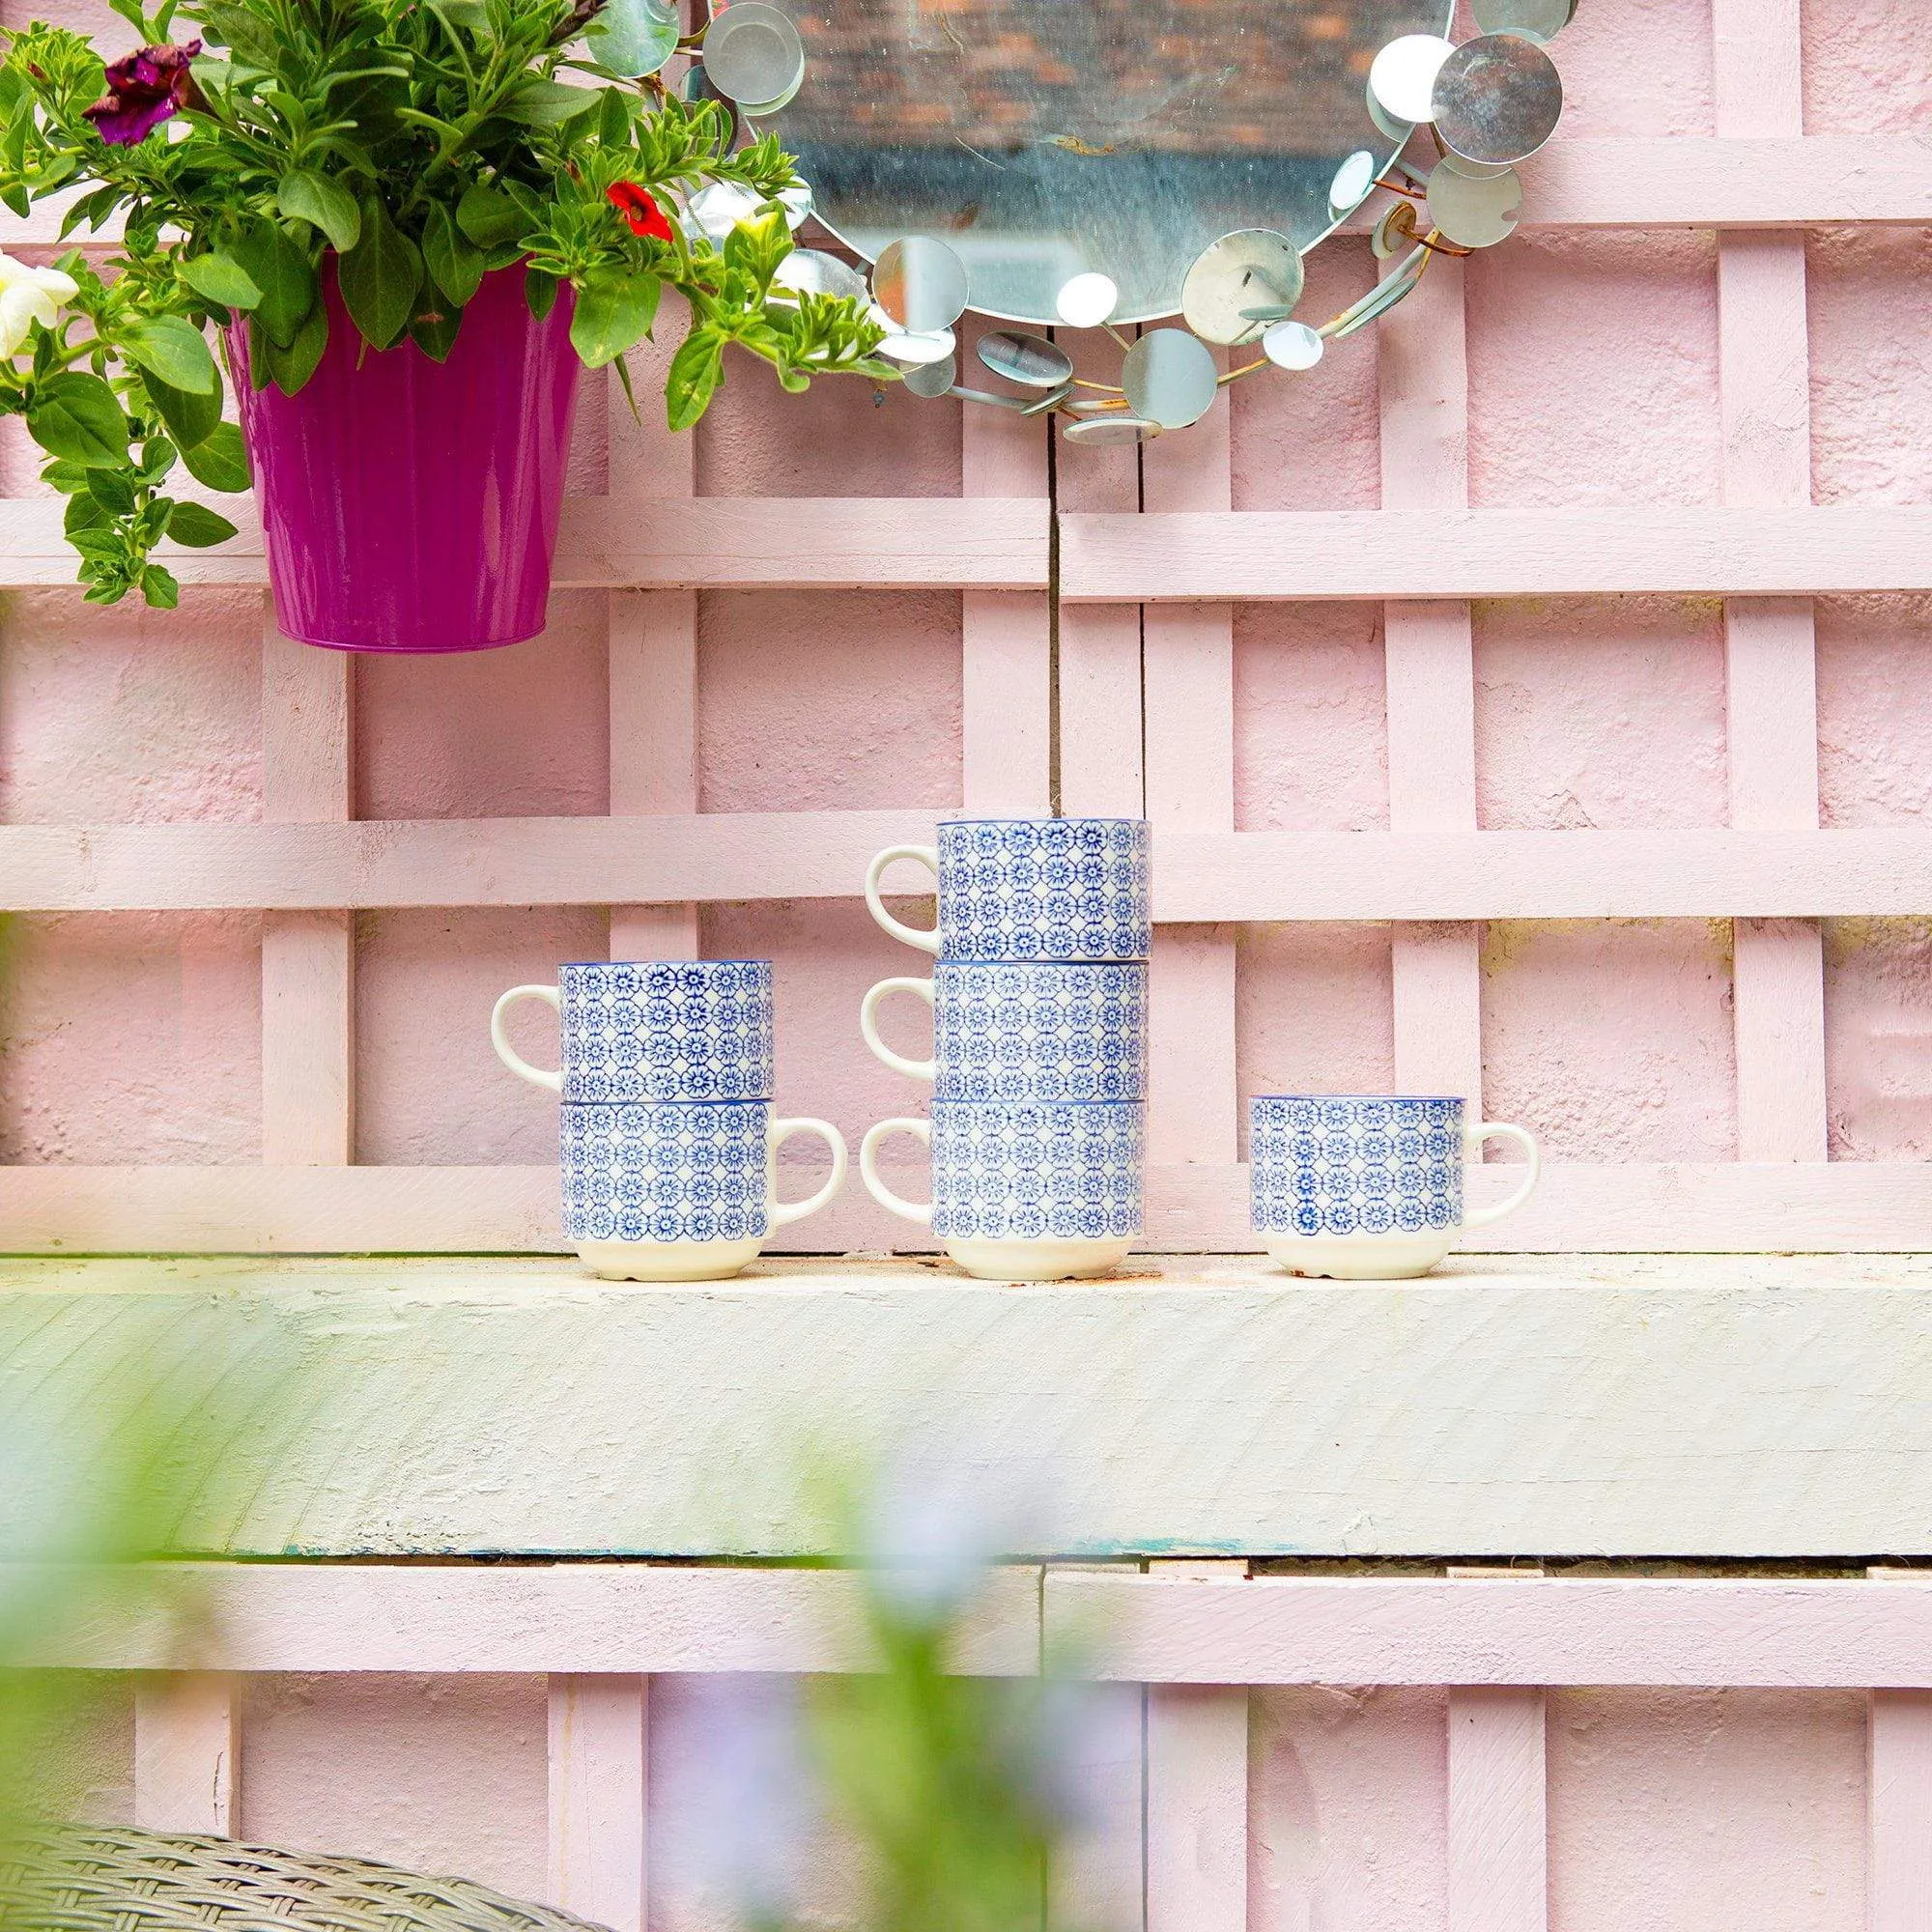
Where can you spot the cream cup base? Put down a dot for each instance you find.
(1038, 1261)
(1359, 1257)
(667, 1261)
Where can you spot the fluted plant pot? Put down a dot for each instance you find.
(408, 504)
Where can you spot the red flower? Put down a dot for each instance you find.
(639, 208)
(148, 87)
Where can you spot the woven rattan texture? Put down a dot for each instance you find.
(116, 1879)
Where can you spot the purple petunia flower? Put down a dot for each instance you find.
(146, 87)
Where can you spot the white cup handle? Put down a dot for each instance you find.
(499, 1037)
(1501, 1130)
(927, 855)
(917, 1069)
(782, 1213)
(920, 1211)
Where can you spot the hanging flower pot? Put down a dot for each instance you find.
(412, 231)
(408, 504)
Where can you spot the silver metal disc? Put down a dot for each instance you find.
(1353, 180)
(1403, 75)
(1394, 230)
(1170, 378)
(917, 348)
(920, 283)
(1475, 214)
(1052, 400)
(752, 52)
(1389, 129)
(1087, 300)
(796, 201)
(931, 378)
(1461, 164)
(633, 37)
(1253, 267)
(1292, 344)
(1030, 361)
(1111, 429)
(1498, 99)
(717, 207)
(813, 272)
(1019, 405)
(753, 109)
(1535, 20)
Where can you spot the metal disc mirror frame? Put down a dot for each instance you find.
(1045, 139)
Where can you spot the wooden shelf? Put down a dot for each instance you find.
(1641, 1406)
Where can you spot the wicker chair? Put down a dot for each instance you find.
(116, 1879)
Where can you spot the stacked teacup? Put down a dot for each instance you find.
(668, 1147)
(1039, 1002)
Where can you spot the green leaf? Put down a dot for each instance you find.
(694, 377)
(633, 37)
(307, 196)
(454, 262)
(86, 512)
(220, 460)
(77, 416)
(614, 118)
(293, 366)
(380, 276)
(281, 271)
(66, 477)
(547, 104)
(159, 587)
(190, 417)
(489, 216)
(198, 527)
(539, 293)
(113, 490)
(241, 30)
(612, 314)
(220, 278)
(92, 208)
(435, 333)
(171, 347)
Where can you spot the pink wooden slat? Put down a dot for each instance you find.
(1535, 1632)
(1430, 673)
(1770, 653)
(308, 992)
(1899, 1802)
(1623, 1207)
(1197, 1792)
(1199, 877)
(186, 1739)
(1499, 1802)
(1677, 181)
(742, 543)
(608, 1619)
(1188, 672)
(653, 662)
(1005, 635)
(1102, 743)
(1499, 1847)
(599, 1770)
(1266, 555)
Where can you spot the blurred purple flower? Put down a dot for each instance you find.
(146, 87)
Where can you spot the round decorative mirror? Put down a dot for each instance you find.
(1045, 139)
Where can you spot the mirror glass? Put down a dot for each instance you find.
(1043, 138)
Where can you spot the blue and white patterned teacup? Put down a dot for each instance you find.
(1030, 889)
(1367, 1186)
(1027, 1192)
(653, 1030)
(675, 1190)
(1012, 1030)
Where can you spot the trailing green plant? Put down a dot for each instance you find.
(403, 148)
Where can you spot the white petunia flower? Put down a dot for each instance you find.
(29, 295)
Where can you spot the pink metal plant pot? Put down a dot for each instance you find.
(411, 505)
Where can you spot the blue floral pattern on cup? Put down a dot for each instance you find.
(1073, 888)
(1034, 1172)
(667, 1029)
(1042, 1031)
(666, 1170)
(1355, 1164)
